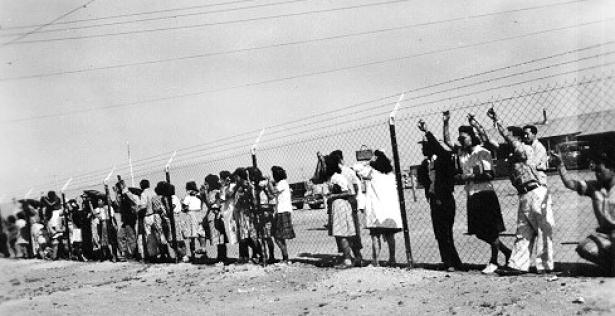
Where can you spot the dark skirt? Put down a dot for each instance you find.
(485, 216)
(283, 226)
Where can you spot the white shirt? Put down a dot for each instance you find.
(352, 178)
(340, 180)
(284, 204)
(479, 158)
(192, 202)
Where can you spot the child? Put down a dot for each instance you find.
(282, 221)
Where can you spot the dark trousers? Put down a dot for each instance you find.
(127, 241)
(443, 218)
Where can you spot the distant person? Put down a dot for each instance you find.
(382, 213)
(476, 172)
(55, 223)
(4, 245)
(436, 173)
(264, 218)
(242, 194)
(126, 235)
(282, 216)
(532, 215)
(13, 233)
(597, 247)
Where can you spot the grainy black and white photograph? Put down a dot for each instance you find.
(307, 157)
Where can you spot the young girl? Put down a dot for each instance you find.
(282, 221)
(343, 223)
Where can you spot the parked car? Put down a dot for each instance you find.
(574, 154)
(297, 193)
(314, 196)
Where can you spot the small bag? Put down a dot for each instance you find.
(364, 154)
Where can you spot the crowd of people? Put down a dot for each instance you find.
(470, 163)
(254, 211)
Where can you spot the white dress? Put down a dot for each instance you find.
(381, 203)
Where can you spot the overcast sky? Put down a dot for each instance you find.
(62, 116)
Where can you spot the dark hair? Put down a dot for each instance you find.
(163, 188)
(382, 163)
(604, 156)
(532, 128)
(144, 184)
(191, 186)
(255, 174)
(212, 181)
(470, 131)
(337, 153)
(278, 173)
(225, 174)
(52, 195)
(11, 219)
(21, 215)
(332, 165)
(241, 173)
(515, 131)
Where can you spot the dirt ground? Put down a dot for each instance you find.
(61, 287)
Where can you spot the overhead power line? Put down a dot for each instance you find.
(285, 44)
(304, 75)
(167, 17)
(262, 18)
(108, 17)
(24, 35)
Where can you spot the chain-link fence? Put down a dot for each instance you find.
(576, 114)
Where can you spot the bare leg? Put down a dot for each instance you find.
(376, 245)
(390, 239)
(283, 248)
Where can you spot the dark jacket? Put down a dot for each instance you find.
(444, 166)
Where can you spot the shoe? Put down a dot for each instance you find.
(346, 265)
(489, 269)
(508, 271)
(186, 259)
(450, 269)
(543, 272)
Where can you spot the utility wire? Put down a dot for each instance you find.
(22, 36)
(310, 74)
(174, 16)
(193, 26)
(279, 45)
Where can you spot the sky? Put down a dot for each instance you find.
(78, 83)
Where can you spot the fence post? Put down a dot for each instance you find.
(171, 212)
(400, 184)
(257, 199)
(66, 215)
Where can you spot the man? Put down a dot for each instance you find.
(436, 174)
(532, 215)
(597, 247)
(355, 186)
(539, 162)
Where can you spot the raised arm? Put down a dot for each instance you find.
(482, 134)
(432, 141)
(446, 135)
(563, 173)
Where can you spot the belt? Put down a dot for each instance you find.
(528, 187)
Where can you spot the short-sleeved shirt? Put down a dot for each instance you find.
(480, 158)
(284, 197)
(192, 202)
(588, 188)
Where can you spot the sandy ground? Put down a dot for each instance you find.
(61, 287)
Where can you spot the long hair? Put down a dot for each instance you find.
(212, 181)
(278, 173)
(332, 165)
(382, 162)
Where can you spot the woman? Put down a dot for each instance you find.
(342, 221)
(191, 221)
(383, 217)
(282, 216)
(483, 207)
(214, 217)
(246, 231)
